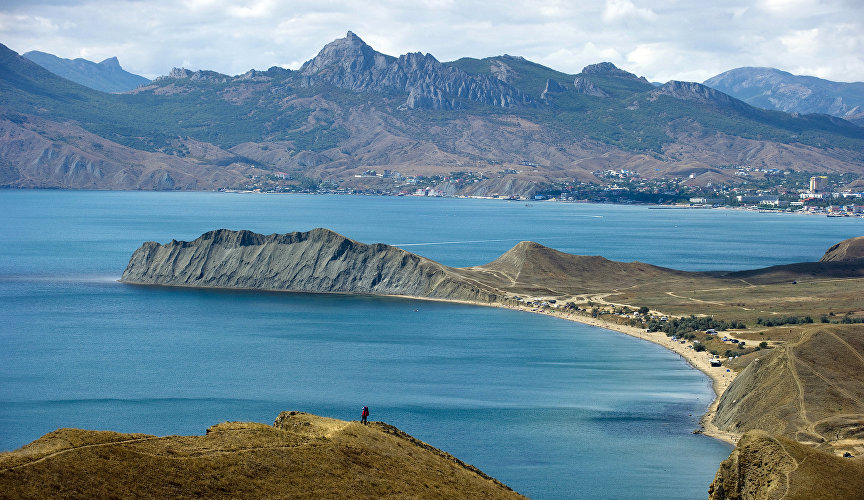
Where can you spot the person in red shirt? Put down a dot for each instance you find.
(364, 415)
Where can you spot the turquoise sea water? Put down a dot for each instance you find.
(554, 409)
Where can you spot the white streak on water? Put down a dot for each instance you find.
(450, 242)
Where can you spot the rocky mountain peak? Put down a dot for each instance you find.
(111, 63)
(345, 55)
(200, 75)
(350, 63)
(608, 69)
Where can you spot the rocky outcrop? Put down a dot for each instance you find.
(609, 69)
(351, 64)
(585, 86)
(316, 261)
(769, 467)
(847, 250)
(552, 87)
(195, 76)
(502, 71)
(696, 92)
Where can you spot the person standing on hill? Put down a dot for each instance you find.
(364, 414)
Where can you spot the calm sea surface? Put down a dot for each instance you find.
(552, 408)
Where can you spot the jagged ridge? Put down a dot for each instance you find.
(352, 64)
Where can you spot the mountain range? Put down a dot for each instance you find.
(106, 76)
(771, 88)
(518, 124)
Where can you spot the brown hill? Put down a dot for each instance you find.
(808, 389)
(846, 250)
(533, 268)
(300, 456)
(770, 467)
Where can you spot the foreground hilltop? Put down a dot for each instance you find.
(300, 455)
(763, 466)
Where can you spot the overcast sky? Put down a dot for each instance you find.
(660, 39)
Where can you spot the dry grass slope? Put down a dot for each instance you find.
(808, 389)
(300, 456)
(768, 467)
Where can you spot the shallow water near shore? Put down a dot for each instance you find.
(552, 408)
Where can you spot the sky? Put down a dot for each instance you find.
(690, 40)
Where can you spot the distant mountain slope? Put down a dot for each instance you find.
(350, 108)
(106, 76)
(771, 88)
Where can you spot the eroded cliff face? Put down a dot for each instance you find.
(315, 261)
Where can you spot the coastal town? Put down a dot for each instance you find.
(770, 190)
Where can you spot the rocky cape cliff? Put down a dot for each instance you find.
(845, 251)
(318, 261)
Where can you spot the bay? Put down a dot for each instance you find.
(552, 408)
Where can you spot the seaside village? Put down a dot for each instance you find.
(768, 190)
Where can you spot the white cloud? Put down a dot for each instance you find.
(624, 9)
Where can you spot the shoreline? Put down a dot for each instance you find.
(720, 378)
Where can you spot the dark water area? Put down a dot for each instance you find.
(552, 408)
